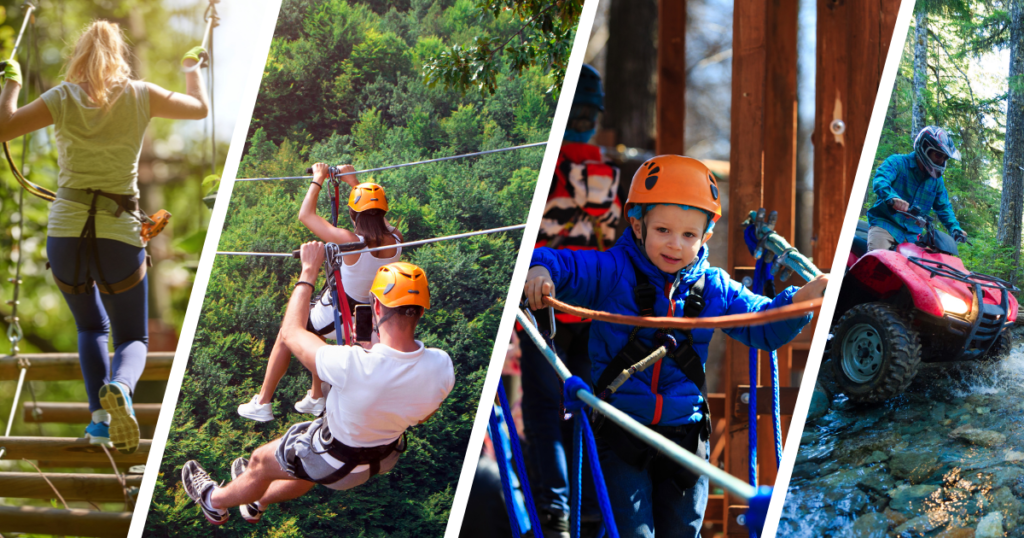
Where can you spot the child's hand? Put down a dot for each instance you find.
(815, 289)
(538, 284)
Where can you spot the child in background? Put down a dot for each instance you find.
(659, 267)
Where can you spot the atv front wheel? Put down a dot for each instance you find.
(875, 353)
(1001, 348)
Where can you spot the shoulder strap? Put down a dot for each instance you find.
(644, 293)
(694, 304)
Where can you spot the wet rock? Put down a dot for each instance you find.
(895, 518)
(956, 533)
(806, 469)
(819, 403)
(842, 479)
(878, 482)
(914, 466)
(878, 456)
(938, 413)
(853, 503)
(1012, 455)
(978, 437)
(913, 499)
(990, 526)
(921, 524)
(983, 410)
(1008, 506)
(828, 467)
(873, 525)
(854, 449)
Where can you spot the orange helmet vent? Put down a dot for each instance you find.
(367, 196)
(401, 284)
(674, 179)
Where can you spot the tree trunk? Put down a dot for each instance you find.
(917, 122)
(1012, 202)
(632, 56)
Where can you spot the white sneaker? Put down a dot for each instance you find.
(310, 405)
(254, 410)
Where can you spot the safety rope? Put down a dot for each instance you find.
(294, 254)
(576, 389)
(497, 441)
(517, 454)
(394, 166)
(794, 310)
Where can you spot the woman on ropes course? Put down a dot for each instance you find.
(659, 267)
(93, 242)
(367, 205)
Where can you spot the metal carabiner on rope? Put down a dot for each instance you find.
(212, 21)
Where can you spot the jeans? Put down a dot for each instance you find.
(550, 438)
(641, 503)
(124, 315)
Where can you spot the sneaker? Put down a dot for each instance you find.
(554, 524)
(254, 410)
(98, 433)
(124, 429)
(197, 484)
(250, 512)
(310, 405)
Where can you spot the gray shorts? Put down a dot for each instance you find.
(297, 454)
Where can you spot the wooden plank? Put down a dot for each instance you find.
(671, 100)
(716, 508)
(733, 528)
(787, 401)
(56, 449)
(750, 50)
(36, 520)
(71, 486)
(65, 366)
(78, 412)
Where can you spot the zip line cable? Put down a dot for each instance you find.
(394, 166)
(388, 247)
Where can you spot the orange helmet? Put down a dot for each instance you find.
(401, 284)
(674, 179)
(367, 196)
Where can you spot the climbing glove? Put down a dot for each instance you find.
(959, 236)
(195, 53)
(12, 71)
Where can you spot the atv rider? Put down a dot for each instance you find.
(912, 180)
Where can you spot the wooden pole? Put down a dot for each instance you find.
(78, 413)
(65, 366)
(55, 449)
(35, 520)
(671, 107)
(72, 487)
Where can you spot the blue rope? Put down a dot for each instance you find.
(517, 452)
(776, 410)
(576, 506)
(599, 486)
(499, 453)
(752, 420)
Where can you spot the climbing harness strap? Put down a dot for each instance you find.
(113, 203)
(351, 457)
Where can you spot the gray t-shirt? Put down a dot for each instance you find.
(97, 148)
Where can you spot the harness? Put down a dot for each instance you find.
(686, 358)
(112, 203)
(352, 457)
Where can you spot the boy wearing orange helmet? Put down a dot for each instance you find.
(367, 206)
(375, 396)
(659, 267)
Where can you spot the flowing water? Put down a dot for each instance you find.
(945, 459)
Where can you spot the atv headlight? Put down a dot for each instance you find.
(951, 304)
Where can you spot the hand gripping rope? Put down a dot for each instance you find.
(579, 395)
(212, 21)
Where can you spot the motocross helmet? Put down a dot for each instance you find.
(936, 139)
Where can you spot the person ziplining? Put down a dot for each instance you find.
(96, 232)
(367, 206)
(374, 396)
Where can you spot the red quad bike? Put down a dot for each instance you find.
(914, 303)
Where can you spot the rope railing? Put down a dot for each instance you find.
(294, 254)
(403, 165)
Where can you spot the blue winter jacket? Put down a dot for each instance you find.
(605, 281)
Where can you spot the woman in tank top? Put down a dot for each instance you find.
(367, 206)
(100, 116)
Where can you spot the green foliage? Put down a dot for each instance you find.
(342, 111)
(543, 35)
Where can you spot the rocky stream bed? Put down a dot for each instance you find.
(945, 459)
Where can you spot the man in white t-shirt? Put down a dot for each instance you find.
(374, 396)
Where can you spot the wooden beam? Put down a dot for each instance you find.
(78, 413)
(36, 520)
(671, 101)
(853, 40)
(71, 486)
(733, 528)
(65, 366)
(787, 401)
(56, 449)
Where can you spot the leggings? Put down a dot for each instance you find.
(97, 313)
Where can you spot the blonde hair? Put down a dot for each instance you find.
(100, 59)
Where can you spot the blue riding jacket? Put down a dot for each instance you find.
(605, 281)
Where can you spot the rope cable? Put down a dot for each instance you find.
(403, 165)
(517, 453)
(494, 428)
